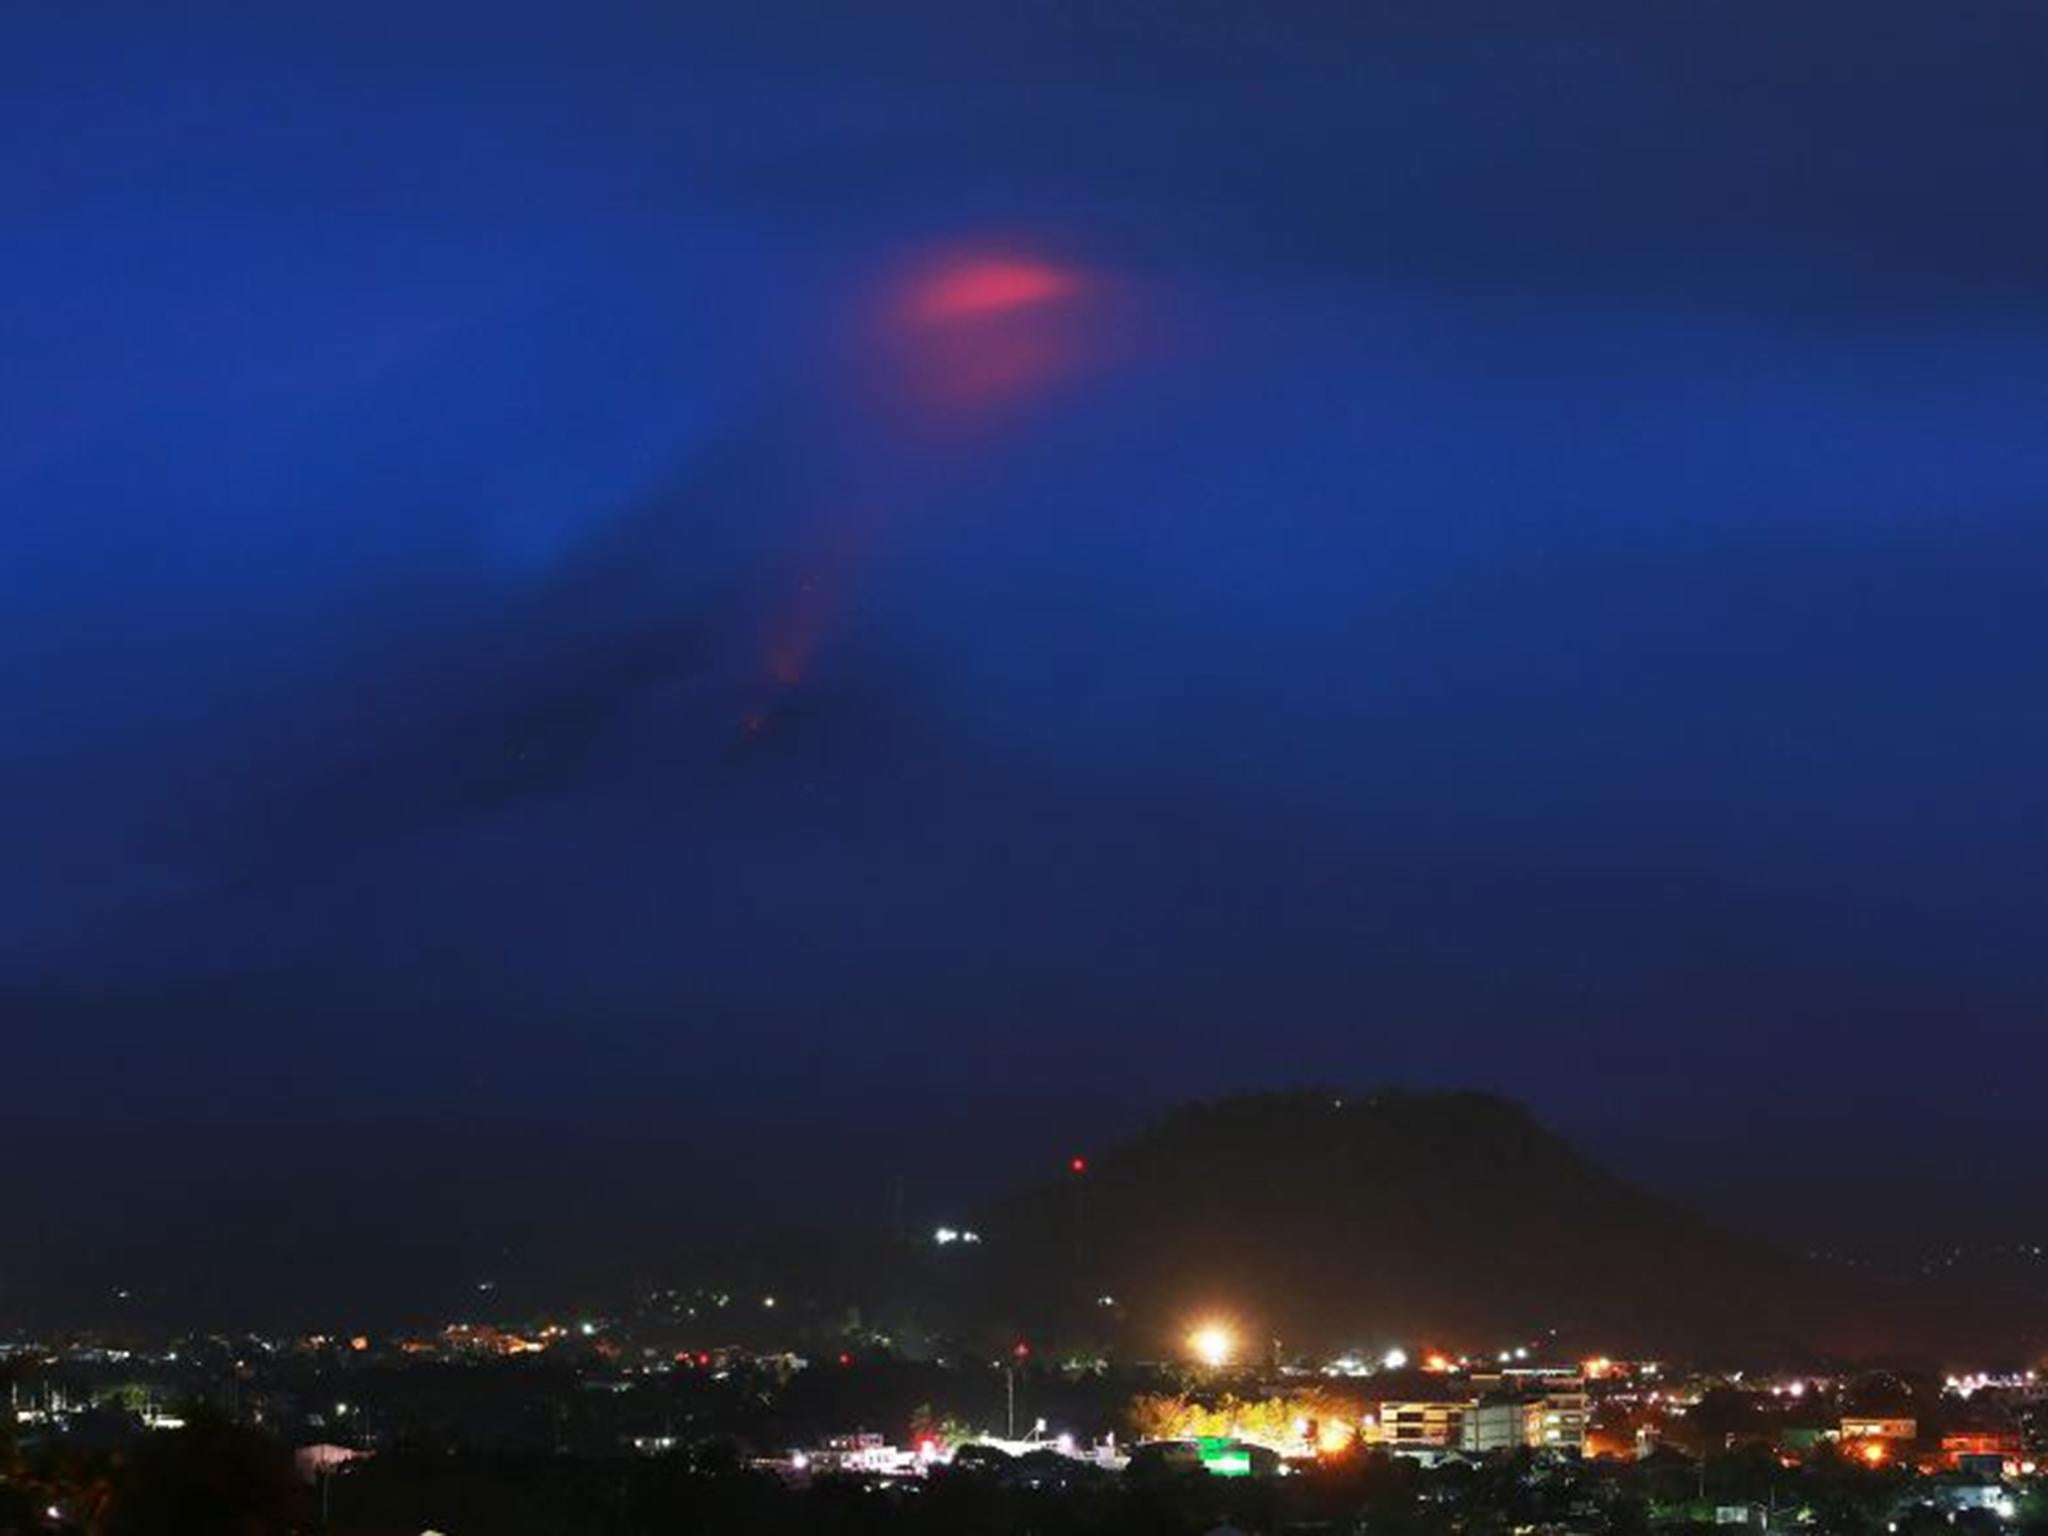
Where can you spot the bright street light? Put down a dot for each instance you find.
(1213, 1344)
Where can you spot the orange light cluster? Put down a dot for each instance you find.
(486, 1340)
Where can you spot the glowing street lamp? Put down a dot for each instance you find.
(1213, 1344)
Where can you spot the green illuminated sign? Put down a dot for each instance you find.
(1223, 1458)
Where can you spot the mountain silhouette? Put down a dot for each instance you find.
(1321, 1221)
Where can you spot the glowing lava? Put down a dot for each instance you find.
(976, 289)
(973, 332)
(960, 342)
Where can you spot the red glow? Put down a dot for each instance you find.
(1077, 1165)
(809, 606)
(846, 1359)
(970, 289)
(1021, 1350)
(961, 339)
(982, 331)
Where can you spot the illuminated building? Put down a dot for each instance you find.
(1495, 1424)
(1547, 1421)
(1563, 1413)
(1880, 1429)
(2001, 1443)
(1417, 1425)
(1487, 1414)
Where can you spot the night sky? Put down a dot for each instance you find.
(615, 614)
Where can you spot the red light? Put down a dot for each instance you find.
(704, 1358)
(1077, 1165)
(845, 1359)
(1021, 1350)
(970, 290)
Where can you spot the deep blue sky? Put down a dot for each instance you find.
(569, 572)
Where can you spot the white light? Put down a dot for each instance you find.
(1213, 1345)
(767, 1301)
(970, 1237)
(798, 1460)
(1521, 1352)
(1065, 1445)
(1394, 1359)
(945, 1235)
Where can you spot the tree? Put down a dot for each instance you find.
(211, 1477)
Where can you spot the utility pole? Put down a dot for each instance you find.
(1010, 1401)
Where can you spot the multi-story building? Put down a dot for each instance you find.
(1417, 1425)
(1547, 1421)
(1562, 1414)
(1484, 1415)
(1495, 1424)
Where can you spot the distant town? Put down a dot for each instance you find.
(1232, 1320)
(609, 1423)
